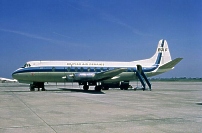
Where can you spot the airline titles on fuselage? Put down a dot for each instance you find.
(84, 64)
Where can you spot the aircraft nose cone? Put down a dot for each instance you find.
(15, 74)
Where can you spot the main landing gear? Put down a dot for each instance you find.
(87, 84)
(37, 85)
(97, 88)
(85, 87)
(124, 85)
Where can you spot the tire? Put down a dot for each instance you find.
(98, 88)
(85, 87)
(32, 87)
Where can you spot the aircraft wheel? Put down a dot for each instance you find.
(32, 87)
(98, 88)
(85, 87)
(126, 88)
(105, 88)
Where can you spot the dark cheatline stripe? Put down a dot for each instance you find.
(78, 69)
(162, 44)
(158, 60)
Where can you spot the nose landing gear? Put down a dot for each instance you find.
(37, 85)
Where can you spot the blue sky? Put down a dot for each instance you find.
(112, 30)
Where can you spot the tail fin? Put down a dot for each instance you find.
(162, 55)
(161, 59)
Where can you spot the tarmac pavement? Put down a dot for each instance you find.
(170, 107)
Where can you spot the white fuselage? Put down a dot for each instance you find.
(53, 71)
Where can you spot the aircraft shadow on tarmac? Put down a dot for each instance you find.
(82, 91)
(60, 90)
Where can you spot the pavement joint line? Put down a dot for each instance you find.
(20, 127)
(33, 112)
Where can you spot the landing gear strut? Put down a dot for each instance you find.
(85, 87)
(37, 85)
(98, 88)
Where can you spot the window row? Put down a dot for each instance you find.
(89, 69)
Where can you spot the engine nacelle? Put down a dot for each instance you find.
(83, 76)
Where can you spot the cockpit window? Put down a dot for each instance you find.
(27, 65)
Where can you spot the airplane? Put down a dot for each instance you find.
(101, 74)
(5, 80)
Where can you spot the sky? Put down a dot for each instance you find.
(100, 30)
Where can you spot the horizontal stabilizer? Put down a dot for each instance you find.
(170, 64)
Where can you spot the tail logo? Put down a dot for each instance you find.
(162, 49)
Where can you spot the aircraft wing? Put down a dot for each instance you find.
(109, 74)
